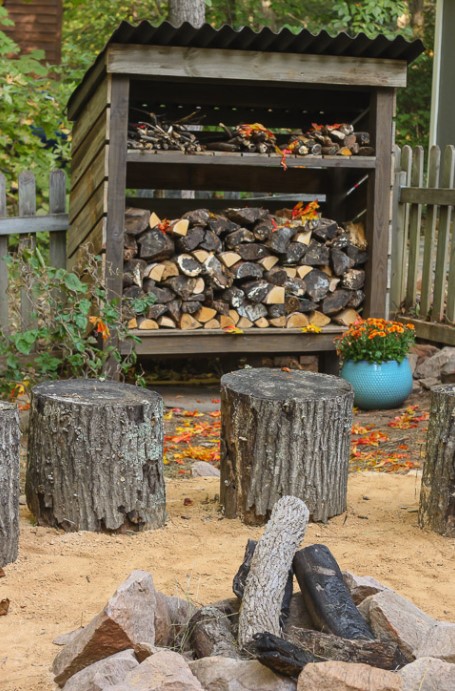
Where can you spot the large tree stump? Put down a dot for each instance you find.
(437, 494)
(9, 483)
(95, 456)
(284, 433)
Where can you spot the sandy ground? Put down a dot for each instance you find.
(60, 581)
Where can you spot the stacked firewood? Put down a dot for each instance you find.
(254, 138)
(159, 134)
(243, 268)
(331, 140)
(162, 136)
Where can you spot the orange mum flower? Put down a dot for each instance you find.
(101, 327)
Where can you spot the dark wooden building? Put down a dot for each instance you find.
(281, 80)
(37, 25)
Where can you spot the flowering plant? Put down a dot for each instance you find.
(375, 340)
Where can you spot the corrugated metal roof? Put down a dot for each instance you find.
(283, 41)
(265, 40)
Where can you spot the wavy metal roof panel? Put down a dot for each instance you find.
(283, 41)
(266, 40)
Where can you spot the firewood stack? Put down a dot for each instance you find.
(159, 134)
(243, 268)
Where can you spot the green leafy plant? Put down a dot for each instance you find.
(74, 330)
(375, 340)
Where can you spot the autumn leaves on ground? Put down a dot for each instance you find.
(387, 441)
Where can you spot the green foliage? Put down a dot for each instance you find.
(376, 340)
(29, 98)
(75, 329)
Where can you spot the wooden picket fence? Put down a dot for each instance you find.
(27, 223)
(422, 287)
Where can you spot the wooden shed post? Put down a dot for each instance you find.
(379, 203)
(118, 128)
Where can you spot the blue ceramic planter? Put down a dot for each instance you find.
(378, 386)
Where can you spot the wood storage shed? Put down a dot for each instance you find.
(322, 109)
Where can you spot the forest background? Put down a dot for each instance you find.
(35, 133)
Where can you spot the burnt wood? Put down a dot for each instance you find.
(325, 646)
(326, 595)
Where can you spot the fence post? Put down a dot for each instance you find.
(434, 163)
(27, 207)
(445, 216)
(4, 321)
(398, 243)
(415, 220)
(57, 205)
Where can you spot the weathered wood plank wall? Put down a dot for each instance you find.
(37, 25)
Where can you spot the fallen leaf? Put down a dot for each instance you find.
(4, 607)
(188, 502)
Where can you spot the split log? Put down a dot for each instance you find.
(238, 584)
(205, 314)
(437, 494)
(136, 220)
(95, 456)
(268, 262)
(318, 319)
(284, 433)
(244, 323)
(9, 483)
(336, 301)
(326, 595)
(166, 323)
(296, 320)
(262, 323)
(212, 324)
(155, 245)
(346, 317)
(326, 646)
(145, 324)
(180, 227)
(192, 239)
(211, 634)
(189, 323)
(263, 594)
(229, 258)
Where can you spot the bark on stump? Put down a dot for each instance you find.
(284, 433)
(437, 494)
(9, 483)
(95, 456)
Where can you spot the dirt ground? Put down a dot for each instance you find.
(60, 581)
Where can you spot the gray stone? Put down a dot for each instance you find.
(226, 674)
(347, 676)
(65, 638)
(203, 469)
(395, 619)
(127, 619)
(439, 642)
(428, 674)
(111, 670)
(362, 587)
(163, 671)
(448, 372)
(432, 366)
(429, 382)
(413, 359)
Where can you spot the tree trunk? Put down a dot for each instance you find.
(192, 11)
(9, 483)
(95, 456)
(266, 582)
(437, 494)
(284, 433)
(326, 595)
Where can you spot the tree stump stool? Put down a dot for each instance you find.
(95, 459)
(284, 433)
(437, 494)
(9, 483)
